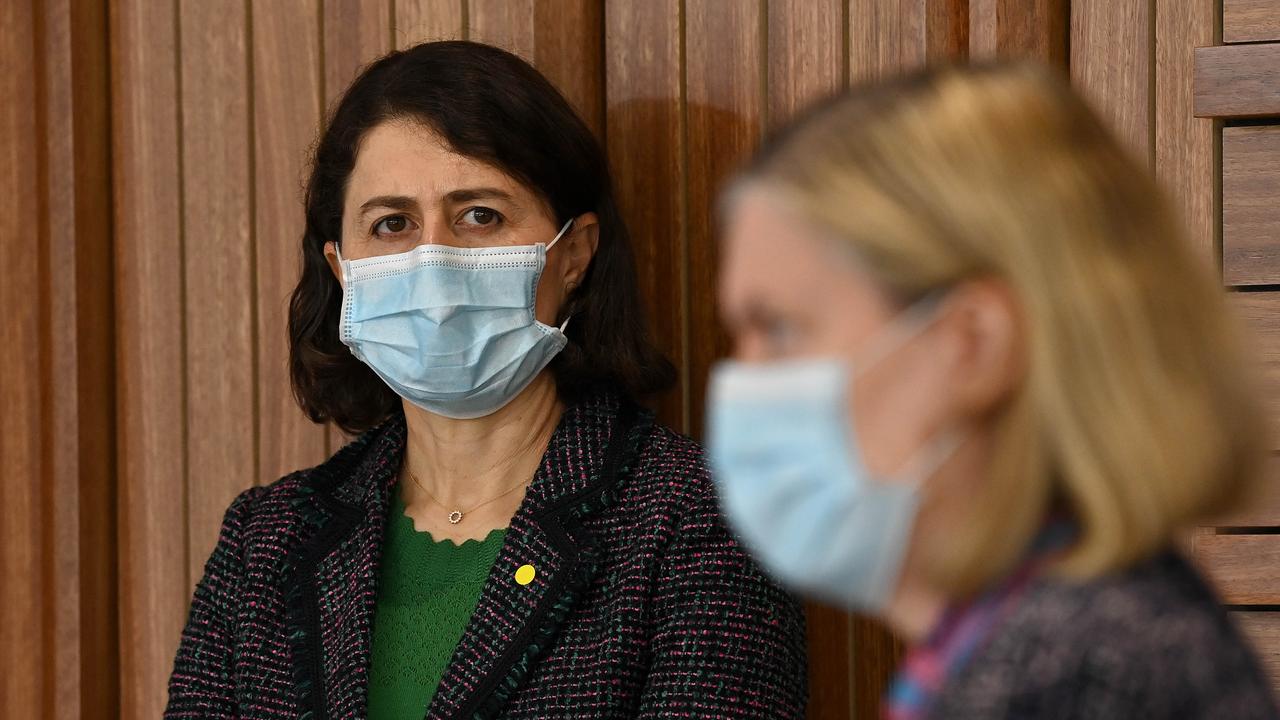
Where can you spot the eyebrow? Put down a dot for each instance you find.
(403, 202)
(394, 202)
(481, 193)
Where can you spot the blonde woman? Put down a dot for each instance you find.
(980, 383)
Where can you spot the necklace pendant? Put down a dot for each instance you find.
(455, 517)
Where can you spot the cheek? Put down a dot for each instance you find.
(897, 408)
(550, 294)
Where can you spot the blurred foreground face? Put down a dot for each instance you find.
(960, 312)
(789, 293)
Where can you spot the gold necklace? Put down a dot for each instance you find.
(455, 515)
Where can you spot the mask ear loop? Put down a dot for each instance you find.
(552, 244)
(560, 234)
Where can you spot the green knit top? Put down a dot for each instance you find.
(427, 591)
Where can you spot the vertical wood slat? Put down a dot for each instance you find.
(646, 130)
(218, 270)
(419, 21)
(150, 338)
(888, 37)
(505, 23)
(726, 106)
(1111, 64)
(559, 37)
(287, 105)
(569, 51)
(356, 32)
(1035, 29)
(77, 347)
(806, 59)
(1184, 144)
(23, 655)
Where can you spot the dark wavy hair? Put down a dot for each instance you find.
(489, 105)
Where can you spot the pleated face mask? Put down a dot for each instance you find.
(451, 330)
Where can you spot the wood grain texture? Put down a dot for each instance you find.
(1238, 81)
(1251, 205)
(1185, 144)
(1035, 29)
(1260, 313)
(287, 103)
(806, 61)
(888, 37)
(24, 657)
(1250, 20)
(568, 49)
(418, 21)
(832, 675)
(218, 266)
(356, 32)
(1242, 567)
(1263, 509)
(1111, 64)
(1263, 630)
(78, 352)
(150, 377)
(876, 654)
(646, 145)
(725, 92)
(508, 24)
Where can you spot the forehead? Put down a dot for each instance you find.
(771, 251)
(401, 157)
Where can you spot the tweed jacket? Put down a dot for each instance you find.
(1150, 642)
(642, 606)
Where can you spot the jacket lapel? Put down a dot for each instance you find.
(514, 623)
(332, 594)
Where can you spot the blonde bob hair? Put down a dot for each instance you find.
(1138, 413)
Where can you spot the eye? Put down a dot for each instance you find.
(481, 216)
(392, 225)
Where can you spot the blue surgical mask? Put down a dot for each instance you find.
(451, 330)
(791, 479)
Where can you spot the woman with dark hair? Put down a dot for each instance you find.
(509, 535)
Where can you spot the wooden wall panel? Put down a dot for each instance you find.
(1263, 510)
(1111, 63)
(1243, 567)
(569, 50)
(287, 102)
(887, 37)
(218, 270)
(806, 59)
(77, 351)
(646, 144)
(1238, 81)
(726, 106)
(1263, 628)
(356, 32)
(1185, 146)
(505, 23)
(150, 339)
(423, 20)
(1036, 29)
(23, 653)
(1251, 205)
(1250, 20)
(1260, 312)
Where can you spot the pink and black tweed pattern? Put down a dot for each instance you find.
(643, 605)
